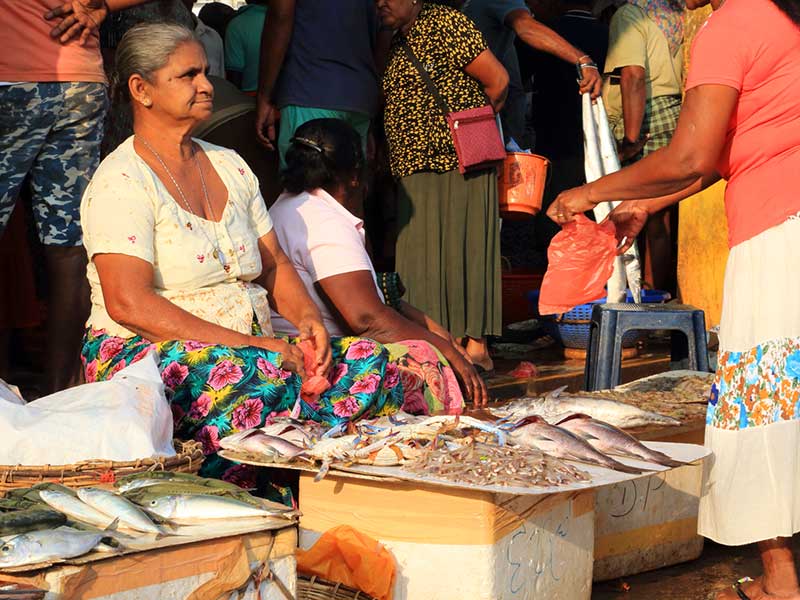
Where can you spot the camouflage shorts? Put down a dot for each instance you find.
(52, 132)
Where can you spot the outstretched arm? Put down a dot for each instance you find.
(544, 39)
(689, 160)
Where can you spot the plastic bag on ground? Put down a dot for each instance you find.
(123, 419)
(347, 556)
(581, 259)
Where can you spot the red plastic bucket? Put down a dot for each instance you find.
(521, 183)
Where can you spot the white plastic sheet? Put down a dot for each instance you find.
(600, 151)
(123, 419)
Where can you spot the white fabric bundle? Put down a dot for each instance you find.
(600, 158)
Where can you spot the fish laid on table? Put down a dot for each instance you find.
(556, 404)
(189, 510)
(611, 440)
(31, 519)
(47, 545)
(75, 508)
(151, 478)
(255, 441)
(117, 507)
(535, 432)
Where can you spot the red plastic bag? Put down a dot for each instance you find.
(315, 383)
(581, 260)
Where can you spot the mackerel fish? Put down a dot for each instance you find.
(47, 545)
(117, 507)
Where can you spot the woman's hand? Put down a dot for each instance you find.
(291, 355)
(629, 219)
(313, 329)
(570, 203)
(474, 387)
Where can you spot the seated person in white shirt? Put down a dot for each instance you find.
(317, 220)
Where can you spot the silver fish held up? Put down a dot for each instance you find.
(537, 433)
(611, 440)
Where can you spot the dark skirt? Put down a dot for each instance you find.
(448, 249)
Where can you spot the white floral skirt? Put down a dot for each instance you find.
(751, 488)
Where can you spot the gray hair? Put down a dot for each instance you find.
(145, 49)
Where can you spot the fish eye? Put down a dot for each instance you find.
(153, 502)
(5, 548)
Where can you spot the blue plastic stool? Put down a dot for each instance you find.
(611, 321)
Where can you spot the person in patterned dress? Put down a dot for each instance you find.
(741, 121)
(184, 262)
(448, 246)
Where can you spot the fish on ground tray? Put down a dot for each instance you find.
(117, 507)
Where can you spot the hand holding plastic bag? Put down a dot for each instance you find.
(581, 259)
(347, 556)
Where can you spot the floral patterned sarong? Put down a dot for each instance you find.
(218, 390)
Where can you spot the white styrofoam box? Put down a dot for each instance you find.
(648, 523)
(456, 544)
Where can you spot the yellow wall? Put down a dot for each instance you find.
(702, 232)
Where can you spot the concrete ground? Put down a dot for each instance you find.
(717, 568)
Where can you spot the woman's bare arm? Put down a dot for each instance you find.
(488, 71)
(355, 299)
(682, 168)
(130, 300)
(288, 296)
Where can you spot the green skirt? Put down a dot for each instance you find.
(448, 249)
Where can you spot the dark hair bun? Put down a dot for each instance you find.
(324, 153)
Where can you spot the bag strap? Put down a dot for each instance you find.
(440, 101)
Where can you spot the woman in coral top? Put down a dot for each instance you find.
(740, 121)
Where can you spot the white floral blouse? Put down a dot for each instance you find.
(127, 210)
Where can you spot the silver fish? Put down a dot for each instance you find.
(555, 404)
(187, 510)
(47, 545)
(256, 441)
(117, 507)
(537, 433)
(611, 440)
(75, 508)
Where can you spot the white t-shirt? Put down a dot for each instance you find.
(127, 210)
(322, 239)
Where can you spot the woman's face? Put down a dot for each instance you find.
(395, 14)
(180, 90)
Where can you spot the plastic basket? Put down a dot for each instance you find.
(572, 328)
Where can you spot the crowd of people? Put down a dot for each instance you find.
(168, 246)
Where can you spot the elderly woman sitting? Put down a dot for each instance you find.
(184, 260)
(318, 223)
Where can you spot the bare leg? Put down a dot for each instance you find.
(67, 311)
(780, 574)
(478, 351)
